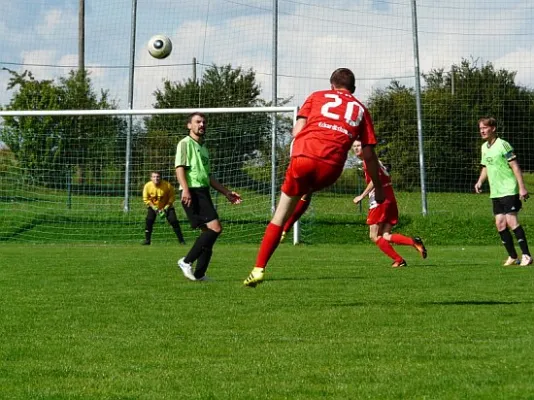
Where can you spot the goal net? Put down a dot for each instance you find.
(78, 176)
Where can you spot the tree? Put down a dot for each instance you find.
(51, 146)
(232, 138)
(452, 104)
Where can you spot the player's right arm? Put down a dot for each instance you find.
(370, 186)
(302, 115)
(180, 164)
(147, 198)
(481, 179)
(146, 195)
(182, 180)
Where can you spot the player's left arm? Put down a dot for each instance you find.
(370, 158)
(172, 197)
(373, 166)
(523, 192)
(233, 197)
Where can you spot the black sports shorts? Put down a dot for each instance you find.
(201, 211)
(506, 204)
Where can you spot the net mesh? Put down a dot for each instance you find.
(81, 195)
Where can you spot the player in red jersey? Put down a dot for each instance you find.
(384, 216)
(327, 125)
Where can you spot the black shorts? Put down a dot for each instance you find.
(506, 204)
(201, 211)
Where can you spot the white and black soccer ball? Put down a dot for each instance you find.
(159, 46)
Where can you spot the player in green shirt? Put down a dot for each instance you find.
(194, 175)
(507, 189)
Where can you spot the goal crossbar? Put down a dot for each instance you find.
(154, 111)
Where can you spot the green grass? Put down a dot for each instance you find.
(31, 214)
(330, 322)
(453, 218)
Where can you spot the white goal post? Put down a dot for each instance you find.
(82, 188)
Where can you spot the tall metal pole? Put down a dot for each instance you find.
(419, 108)
(275, 102)
(130, 106)
(81, 72)
(81, 36)
(453, 80)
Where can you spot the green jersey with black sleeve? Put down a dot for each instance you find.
(194, 157)
(501, 178)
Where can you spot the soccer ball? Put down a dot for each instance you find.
(159, 46)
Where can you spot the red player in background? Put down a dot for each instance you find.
(384, 216)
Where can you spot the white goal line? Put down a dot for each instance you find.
(220, 110)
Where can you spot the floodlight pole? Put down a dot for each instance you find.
(130, 106)
(274, 101)
(81, 72)
(419, 108)
(81, 36)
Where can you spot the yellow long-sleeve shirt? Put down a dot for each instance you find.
(160, 195)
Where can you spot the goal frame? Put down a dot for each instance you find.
(172, 111)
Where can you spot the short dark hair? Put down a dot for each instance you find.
(190, 117)
(343, 78)
(489, 121)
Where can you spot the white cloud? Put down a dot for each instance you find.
(51, 21)
(519, 61)
(42, 57)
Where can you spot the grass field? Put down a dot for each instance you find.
(453, 218)
(331, 322)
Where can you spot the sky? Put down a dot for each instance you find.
(372, 37)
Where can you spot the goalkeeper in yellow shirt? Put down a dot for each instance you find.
(159, 196)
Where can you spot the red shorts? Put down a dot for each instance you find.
(307, 174)
(387, 213)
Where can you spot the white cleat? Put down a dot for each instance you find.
(186, 269)
(255, 278)
(511, 261)
(526, 260)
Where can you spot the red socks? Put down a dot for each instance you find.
(271, 239)
(397, 238)
(387, 249)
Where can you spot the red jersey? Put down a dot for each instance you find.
(385, 179)
(335, 119)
